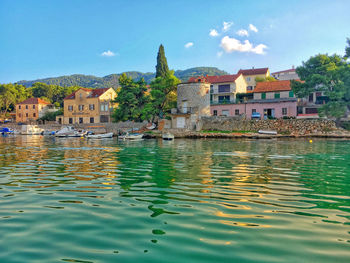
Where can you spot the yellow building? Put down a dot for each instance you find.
(88, 106)
(31, 109)
(250, 75)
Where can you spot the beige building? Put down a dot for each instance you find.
(288, 74)
(250, 75)
(88, 106)
(31, 109)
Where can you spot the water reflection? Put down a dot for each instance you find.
(213, 198)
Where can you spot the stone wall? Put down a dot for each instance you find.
(282, 126)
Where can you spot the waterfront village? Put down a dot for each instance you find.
(251, 103)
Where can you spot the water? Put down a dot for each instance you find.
(74, 200)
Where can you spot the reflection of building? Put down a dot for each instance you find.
(270, 99)
(88, 106)
(31, 109)
(193, 101)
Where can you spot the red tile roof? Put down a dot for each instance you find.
(253, 71)
(284, 71)
(214, 79)
(34, 101)
(271, 86)
(93, 93)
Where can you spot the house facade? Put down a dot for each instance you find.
(250, 75)
(88, 106)
(270, 100)
(31, 110)
(288, 74)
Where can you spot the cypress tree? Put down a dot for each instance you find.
(162, 64)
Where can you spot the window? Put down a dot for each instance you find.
(211, 89)
(291, 94)
(223, 99)
(211, 98)
(91, 106)
(104, 118)
(34, 115)
(80, 95)
(26, 114)
(215, 112)
(70, 108)
(225, 112)
(224, 88)
(26, 107)
(277, 95)
(263, 96)
(19, 115)
(236, 111)
(311, 110)
(284, 111)
(19, 107)
(70, 120)
(33, 106)
(104, 107)
(311, 97)
(248, 78)
(80, 120)
(250, 88)
(81, 107)
(318, 94)
(92, 120)
(253, 110)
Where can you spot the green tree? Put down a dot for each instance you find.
(163, 96)
(347, 49)
(131, 99)
(162, 65)
(10, 95)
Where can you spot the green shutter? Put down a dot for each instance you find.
(277, 95)
(291, 94)
(263, 96)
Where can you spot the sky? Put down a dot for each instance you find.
(40, 39)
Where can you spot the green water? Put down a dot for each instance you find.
(74, 200)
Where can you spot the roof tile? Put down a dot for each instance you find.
(270, 86)
(254, 71)
(34, 101)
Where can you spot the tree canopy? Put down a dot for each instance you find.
(162, 64)
(10, 95)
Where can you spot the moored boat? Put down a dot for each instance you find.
(100, 136)
(6, 130)
(70, 131)
(131, 136)
(31, 130)
(267, 132)
(168, 136)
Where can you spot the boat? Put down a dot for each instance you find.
(168, 136)
(131, 136)
(31, 130)
(47, 132)
(70, 131)
(99, 136)
(267, 132)
(150, 126)
(6, 130)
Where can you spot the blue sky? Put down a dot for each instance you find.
(98, 37)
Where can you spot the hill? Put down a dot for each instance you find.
(112, 79)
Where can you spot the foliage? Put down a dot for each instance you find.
(131, 99)
(10, 95)
(262, 79)
(51, 116)
(88, 81)
(162, 69)
(347, 49)
(163, 96)
(328, 74)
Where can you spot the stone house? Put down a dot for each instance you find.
(88, 106)
(193, 101)
(32, 109)
(288, 74)
(270, 99)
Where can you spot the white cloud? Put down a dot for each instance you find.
(213, 33)
(226, 26)
(219, 54)
(108, 53)
(242, 32)
(231, 44)
(189, 44)
(253, 28)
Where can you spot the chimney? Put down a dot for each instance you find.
(253, 67)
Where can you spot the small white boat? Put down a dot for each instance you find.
(31, 130)
(168, 136)
(100, 136)
(267, 132)
(70, 131)
(150, 126)
(131, 136)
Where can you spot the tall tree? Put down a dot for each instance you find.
(347, 49)
(131, 99)
(162, 65)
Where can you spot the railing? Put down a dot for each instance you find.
(223, 102)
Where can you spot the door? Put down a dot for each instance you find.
(180, 122)
(184, 107)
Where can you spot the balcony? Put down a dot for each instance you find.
(221, 102)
